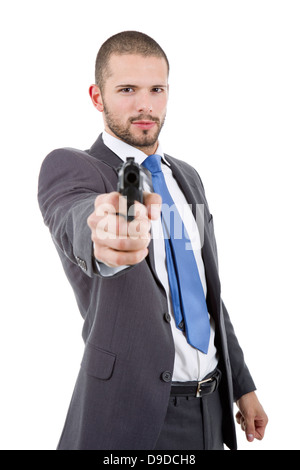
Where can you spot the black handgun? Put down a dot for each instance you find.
(130, 184)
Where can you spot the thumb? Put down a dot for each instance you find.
(250, 429)
(153, 203)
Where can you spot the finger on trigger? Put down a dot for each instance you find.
(139, 228)
(140, 210)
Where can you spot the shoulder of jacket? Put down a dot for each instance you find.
(67, 152)
(69, 157)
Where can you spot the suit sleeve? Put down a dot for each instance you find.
(68, 186)
(242, 381)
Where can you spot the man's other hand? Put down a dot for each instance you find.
(251, 417)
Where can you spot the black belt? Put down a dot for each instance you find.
(197, 389)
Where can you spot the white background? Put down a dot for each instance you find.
(233, 114)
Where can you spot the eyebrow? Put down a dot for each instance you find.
(127, 85)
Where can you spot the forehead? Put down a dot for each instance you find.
(134, 66)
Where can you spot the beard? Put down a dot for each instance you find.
(122, 131)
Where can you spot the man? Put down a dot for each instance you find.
(153, 375)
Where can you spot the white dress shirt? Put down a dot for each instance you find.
(190, 363)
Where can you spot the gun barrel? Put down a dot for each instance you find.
(130, 185)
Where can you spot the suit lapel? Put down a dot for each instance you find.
(195, 196)
(100, 151)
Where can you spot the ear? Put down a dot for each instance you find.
(96, 97)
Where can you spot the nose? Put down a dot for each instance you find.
(144, 104)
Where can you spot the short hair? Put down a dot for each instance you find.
(127, 42)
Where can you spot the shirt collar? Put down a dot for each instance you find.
(123, 150)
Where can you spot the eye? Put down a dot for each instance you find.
(157, 90)
(127, 90)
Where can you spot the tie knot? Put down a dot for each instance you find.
(153, 163)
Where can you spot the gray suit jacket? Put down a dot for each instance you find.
(122, 390)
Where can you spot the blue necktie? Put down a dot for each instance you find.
(189, 304)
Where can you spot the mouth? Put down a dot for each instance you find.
(144, 124)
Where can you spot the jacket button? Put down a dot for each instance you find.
(167, 317)
(81, 263)
(166, 376)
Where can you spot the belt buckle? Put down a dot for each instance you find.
(198, 393)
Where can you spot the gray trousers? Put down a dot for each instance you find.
(192, 424)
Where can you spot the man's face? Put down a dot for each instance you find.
(135, 99)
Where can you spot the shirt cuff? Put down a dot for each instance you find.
(107, 271)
